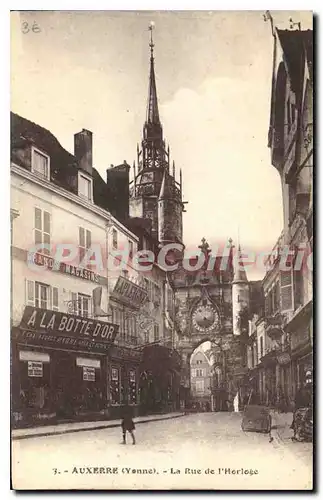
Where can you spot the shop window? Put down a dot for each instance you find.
(115, 386)
(132, 387)
(84, 243)
(42, 229)
(34, 377)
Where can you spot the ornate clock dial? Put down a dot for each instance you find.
(205, 318)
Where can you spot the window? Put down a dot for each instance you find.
(115, 385)
(156, 333)
(199, 372)
(41, 295)
(84, 243)
(42, 229)
(83, 305)
(55, 299)
(130, 248)
(40, 164)
(261, 347)
(286, 287)
(200, 385)
(114, 238)
(85, 187)
(146, 337)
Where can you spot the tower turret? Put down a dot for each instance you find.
(170, 209)
(153, 160)
(240, 293)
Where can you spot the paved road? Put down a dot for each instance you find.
(194, 445)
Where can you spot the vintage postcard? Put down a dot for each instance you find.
(161, 250)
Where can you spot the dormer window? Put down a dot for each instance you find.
(85, 186)
(40, 163)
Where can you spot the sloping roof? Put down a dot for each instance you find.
(296, 45)
(24, 131)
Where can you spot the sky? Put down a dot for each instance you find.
(90, 70)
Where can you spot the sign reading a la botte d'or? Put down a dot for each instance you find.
(130, 293)
(60, 329)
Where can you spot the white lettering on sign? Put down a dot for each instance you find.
(49, 320)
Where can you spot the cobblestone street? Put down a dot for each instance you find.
(189, 444)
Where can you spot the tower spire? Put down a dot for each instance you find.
(152, 107)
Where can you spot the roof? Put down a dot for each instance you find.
(296, 46)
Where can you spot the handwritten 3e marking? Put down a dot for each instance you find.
(28, 27)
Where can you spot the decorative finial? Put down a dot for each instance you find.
(292, 24)
(151, 45)
(268, 17)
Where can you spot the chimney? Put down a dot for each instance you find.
(118, 190)
(83, 150)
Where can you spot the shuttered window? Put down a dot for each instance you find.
(84, 242)
(42, 229)
(42, 295)
(55, 298)
(286, 291)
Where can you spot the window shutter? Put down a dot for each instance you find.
(286, 291)
(46, 222)
(38, 219)
(74, 303)
(88, 239)
(30, 293)
(54, 298)
(81, 237)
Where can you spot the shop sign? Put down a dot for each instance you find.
(60, 323)
(54, 265)
(33, 338)
(124, 353)
(130, 293)
(89, 373)
(35, 369)
(283, 358)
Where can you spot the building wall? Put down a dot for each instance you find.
(200, 375)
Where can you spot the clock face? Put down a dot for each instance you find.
(205, 318)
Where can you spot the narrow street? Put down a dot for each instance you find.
(178, 453)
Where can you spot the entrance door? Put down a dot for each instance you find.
(64, 372)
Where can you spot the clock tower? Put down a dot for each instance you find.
(154, 192)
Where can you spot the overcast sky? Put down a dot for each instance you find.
(213, 69)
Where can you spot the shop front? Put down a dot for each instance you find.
(123, 381)
(300, 329)
(159, 380)
(60, 367)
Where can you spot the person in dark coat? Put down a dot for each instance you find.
(127, 424)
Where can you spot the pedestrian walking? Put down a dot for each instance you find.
(127, 424)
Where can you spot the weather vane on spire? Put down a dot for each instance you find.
(151, 45)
